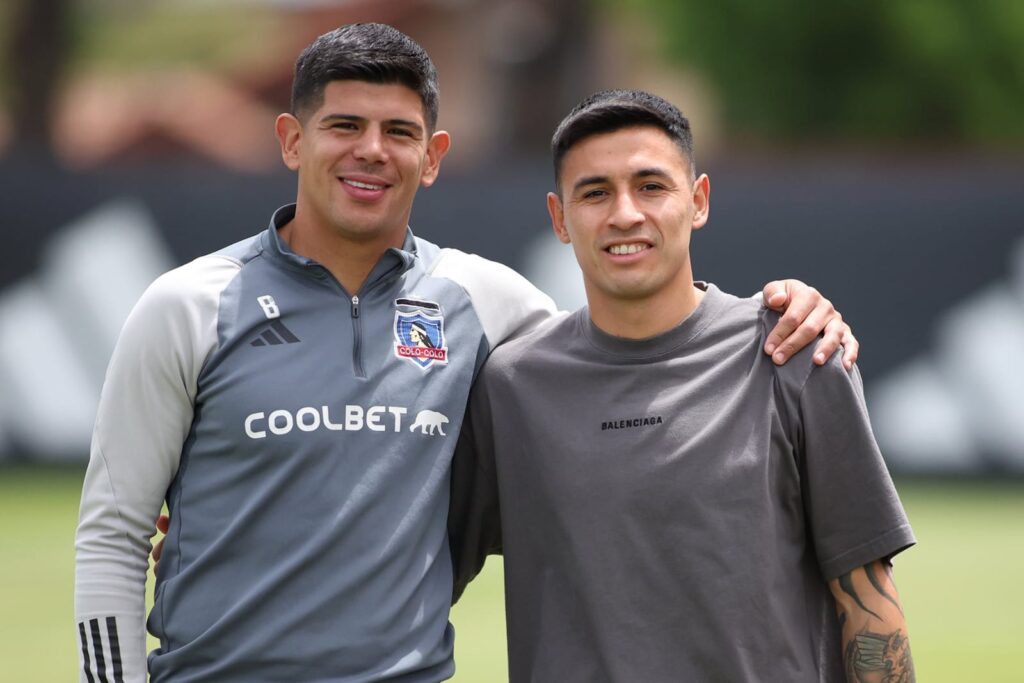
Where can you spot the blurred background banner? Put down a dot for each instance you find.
(873, 149)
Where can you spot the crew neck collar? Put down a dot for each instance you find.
(661, 344)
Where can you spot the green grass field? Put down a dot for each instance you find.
(961, 586)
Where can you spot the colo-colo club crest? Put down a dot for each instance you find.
(419, 332)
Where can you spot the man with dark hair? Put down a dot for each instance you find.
(598, 114)
(677, 508)
(272, 395)
(373, 53)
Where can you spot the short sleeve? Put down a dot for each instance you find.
(854, 513)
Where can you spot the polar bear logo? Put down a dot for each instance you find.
(429, 422)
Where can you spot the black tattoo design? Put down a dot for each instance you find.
(869, 569)
(846, 583)
(873, 657)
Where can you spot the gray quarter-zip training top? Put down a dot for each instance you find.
(301, 436)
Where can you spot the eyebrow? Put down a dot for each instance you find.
(362, 119)
(642, 173)
(653, 171)
(589, 180)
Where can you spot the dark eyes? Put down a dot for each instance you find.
(349, 125)
(599, 193)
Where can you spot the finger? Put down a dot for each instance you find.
(163, 522)
(158, 550)
(851, 348)
(834, 331)
(803, 303)
(775, 295)
(805, 333)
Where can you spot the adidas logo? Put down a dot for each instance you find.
(276, 333)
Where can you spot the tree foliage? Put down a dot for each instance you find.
(912, 69)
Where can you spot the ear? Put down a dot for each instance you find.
(289, 134)
(701, 201)
(438, 145)
(557, 214)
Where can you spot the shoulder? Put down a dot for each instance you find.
(479, 275)
(539, 346)
(733, 312)
(800, 376)
(198, 283)
(177, 314)
(506, 303)
(727, 323)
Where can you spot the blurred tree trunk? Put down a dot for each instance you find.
(38, 50)
(552, 74)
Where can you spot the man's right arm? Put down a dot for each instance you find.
(143, 418)
(474, 515)
(875, 642)
(507, 304)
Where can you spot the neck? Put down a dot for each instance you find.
(348, 259)
(645, 317)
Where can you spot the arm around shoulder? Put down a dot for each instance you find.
(507, 304)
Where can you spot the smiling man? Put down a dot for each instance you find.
(295, 398)
(676, 508)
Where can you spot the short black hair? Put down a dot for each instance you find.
(611, 110)
(375, 53)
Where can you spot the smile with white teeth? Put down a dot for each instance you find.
(361, 185)
(622, 249)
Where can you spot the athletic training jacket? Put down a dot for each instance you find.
(301, 438)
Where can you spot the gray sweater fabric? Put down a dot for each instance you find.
(301, 437)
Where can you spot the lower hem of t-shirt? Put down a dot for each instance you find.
(881, 547)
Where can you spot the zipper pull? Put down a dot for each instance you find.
(355, 307)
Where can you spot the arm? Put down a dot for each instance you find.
(875, 643)
(806, 314)
(143, 419)
(507, 305)
(474, 516)
(853, 515)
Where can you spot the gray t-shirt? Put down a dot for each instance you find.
(670, 508)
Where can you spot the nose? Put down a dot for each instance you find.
(625, 212)
(370, 146)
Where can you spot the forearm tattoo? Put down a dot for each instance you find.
(869, 569)
(874, 657)
(846, 583)
(871, 656)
